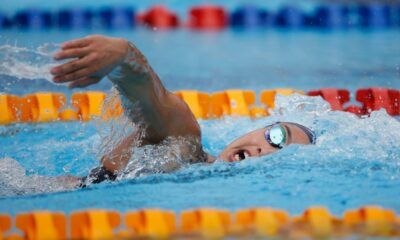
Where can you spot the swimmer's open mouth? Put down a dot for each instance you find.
(239, 155)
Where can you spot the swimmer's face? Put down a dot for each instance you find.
(254, 144)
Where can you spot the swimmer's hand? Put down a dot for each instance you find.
(92, 58)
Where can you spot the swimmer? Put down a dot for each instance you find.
(161, 115)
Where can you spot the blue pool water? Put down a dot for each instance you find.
(355, 161)
(212, 61)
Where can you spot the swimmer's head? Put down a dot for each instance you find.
(267, 140)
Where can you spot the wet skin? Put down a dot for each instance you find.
(254, 144)
(162, 114)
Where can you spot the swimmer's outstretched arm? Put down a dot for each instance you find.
(162, 113)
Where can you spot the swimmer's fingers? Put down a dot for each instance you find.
(71, 53)
(84, 82)
(78, 43)
(75, 75)
(71, 66)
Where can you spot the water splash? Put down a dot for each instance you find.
(25, 63)
(168, 156)
(14, 181)
(346, 146)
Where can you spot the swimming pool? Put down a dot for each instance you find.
(291, 179)
(264, 59)
(355, 161)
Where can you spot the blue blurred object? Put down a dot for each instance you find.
(396, 15)
(3, 20)
(374, 15)
(332, 16)
(250, 16)
(75, 18)
(33, 19)
(290, 16)
(117, 17)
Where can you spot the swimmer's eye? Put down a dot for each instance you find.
(241, 155)
(276, 135)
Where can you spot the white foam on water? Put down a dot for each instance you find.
(15, 181)
(145, 160)
(28, 64)
(365, 143)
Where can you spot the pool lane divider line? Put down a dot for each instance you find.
(328, 16)
(201, 223)
(84, 106)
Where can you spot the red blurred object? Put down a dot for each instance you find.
(355, 109)
(208, 17)
(377, 98)
(395, 100)
(335, 97)
(159, 17)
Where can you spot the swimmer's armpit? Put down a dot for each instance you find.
(97, 175)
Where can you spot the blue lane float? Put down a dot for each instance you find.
(33, 19)
(326, 16)
(289, 17)
(333, 16)
(74, 18)
(3, 21)
(374, 15)
(250, 17)
(397, 16)
(117, 17)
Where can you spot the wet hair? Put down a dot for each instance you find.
(310, 133)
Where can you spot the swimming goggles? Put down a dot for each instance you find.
(276, 134)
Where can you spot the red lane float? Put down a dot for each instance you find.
(159, 17)
(355, 110)
(335, 97)
(376, 98)
(208, 17)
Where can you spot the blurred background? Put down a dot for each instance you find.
(213, 45)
